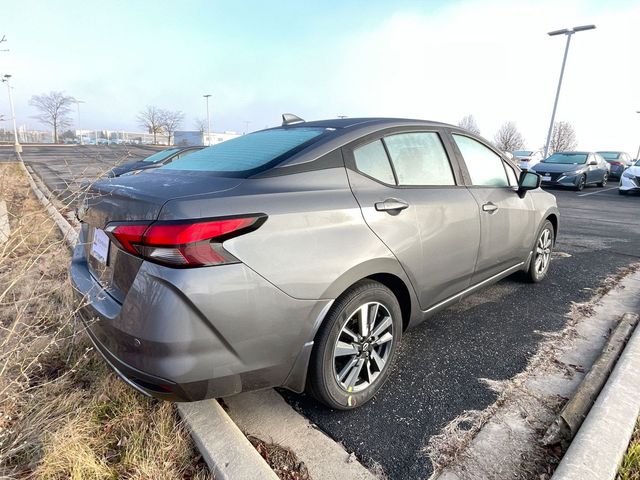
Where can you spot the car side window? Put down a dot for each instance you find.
(511, 175)
(371, 159)
(419, 158)
(484, 165)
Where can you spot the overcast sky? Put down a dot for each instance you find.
(437, 60)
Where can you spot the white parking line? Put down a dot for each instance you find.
(599, 191)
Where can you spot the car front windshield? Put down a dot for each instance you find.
(249, 154)
(567, 158)
(160, 156)
(610, 155)
(523, 153)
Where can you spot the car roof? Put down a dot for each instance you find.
(381, 122)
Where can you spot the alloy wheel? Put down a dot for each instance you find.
(363, 347)
(543, 251)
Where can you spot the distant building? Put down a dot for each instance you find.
(197, 138)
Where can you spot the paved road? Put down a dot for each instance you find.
(488, 335)
(64, 167)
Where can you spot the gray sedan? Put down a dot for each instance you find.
(298, 256)
(573, 169)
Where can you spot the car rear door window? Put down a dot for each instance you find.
(484, 165)
(371, 159)
(419, 158)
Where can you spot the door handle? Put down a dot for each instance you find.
(489, 207)
(390, 205)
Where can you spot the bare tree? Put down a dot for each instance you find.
(152, 118)
(55, 108)
(200, 124)
(469, 123)
(508, 138)
(563, 138)
(171, 121)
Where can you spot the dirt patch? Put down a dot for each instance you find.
(64, 415)
(282, 461)
(504, 440)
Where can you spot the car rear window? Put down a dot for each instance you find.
(249, 154)
(159, 156)
(610, 155)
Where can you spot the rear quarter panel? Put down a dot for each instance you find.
(314, 241)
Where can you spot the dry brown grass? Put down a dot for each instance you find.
(62, 413)
(630, 468)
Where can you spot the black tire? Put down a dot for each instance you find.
(605, 177)
(582, 182)
(534, 274)
(322, 381)
(622, 192)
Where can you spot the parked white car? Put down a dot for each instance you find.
(528, 158)
(630, 179)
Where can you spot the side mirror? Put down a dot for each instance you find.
(593, 162)
(528, 181)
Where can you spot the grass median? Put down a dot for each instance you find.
(63, 413)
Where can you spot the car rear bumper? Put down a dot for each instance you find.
(191, 334)
(616, 171)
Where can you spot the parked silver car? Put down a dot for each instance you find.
(298, 256)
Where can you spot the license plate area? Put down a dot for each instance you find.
(546, 178)
(100, 246)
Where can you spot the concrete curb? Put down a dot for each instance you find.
(228, 453)
(598, 448)
(69, 233)
(267, 416)
(224, 447)
(568, 422)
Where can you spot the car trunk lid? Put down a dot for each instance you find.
(136, 198)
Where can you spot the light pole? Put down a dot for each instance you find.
(638, 154)
(78, 102)
(16, 146)
(208, 121)
(568, 32)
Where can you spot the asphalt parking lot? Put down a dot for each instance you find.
(490, 334)
(64, 167)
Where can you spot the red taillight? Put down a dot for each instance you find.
(129, 235)
(617, 164)
(185, 244)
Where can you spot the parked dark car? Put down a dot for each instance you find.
(619, 162)
(573, 169)
(153, 161)
(298, 256)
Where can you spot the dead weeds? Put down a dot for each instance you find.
(282, 461)
(63, 414)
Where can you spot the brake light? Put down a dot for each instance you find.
(183, 244)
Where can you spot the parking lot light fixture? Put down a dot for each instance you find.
(568, 32)
(16, 146)
(638, 154)
(208, 120)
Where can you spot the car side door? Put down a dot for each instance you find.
(412, 196)
(507, 220)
